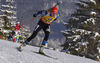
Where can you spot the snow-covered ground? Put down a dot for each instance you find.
(10, 54)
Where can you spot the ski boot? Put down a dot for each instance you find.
(42, 47)
(23, 45)
(41, 50)
(20, 48)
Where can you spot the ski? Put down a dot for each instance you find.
(19, 48)
(45, 55)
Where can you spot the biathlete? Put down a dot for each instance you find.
(47, 16)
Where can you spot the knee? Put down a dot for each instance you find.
(48, 30)
(47, 33)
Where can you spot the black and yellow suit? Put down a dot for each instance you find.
(44, 23)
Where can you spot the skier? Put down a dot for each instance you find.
(47, 16)
(16, 32)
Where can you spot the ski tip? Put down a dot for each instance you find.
(19, 49)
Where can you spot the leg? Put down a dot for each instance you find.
(36, 30)
(47, 32)
(14, 36)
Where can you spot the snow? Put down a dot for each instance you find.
(65, 32)
(8, 6)
(93, 1)
(10, 1)
(11, 17)
(74, 18)
(6, 31)
(83, 4)
(93, 13)
(96, 34)
(76, 37)
(9, 11)
(91, 20)
(10, 54)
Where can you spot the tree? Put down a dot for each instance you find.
(8, 16)
(82, 34)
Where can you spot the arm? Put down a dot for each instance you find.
(20, 27)
(57, 16)
(40, 12)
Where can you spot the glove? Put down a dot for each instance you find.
(58, 3)
(34, 15)
(55, 19)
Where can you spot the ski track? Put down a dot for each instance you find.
(10, 54)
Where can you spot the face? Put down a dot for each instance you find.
(53, 14)
(18, 22)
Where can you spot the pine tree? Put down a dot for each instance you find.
(82, 34)
(8, 20)
(8, 16)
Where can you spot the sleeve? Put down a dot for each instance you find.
(43, 12)
(20, 27)
(57, 16)
(39, 12)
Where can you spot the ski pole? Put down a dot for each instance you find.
(28, 21)
(57, 4)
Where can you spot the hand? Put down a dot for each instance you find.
(34, 15)
(58, 3)
(55, 19)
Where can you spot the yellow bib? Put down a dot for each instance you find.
(47, 19)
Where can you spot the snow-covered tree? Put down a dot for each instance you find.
(83, 32)
(9, 13)
(7, 17)
(54, 43)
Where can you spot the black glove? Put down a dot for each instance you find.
(55, 19)
(34, 15)
(58, 3)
